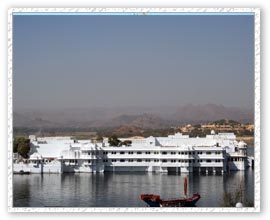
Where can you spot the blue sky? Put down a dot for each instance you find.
(92, 61)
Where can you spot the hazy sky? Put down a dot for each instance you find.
(89, 61)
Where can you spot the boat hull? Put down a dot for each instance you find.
(155, 201)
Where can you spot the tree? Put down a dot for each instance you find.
(126, 143)
(15, 145)
(21, 145)
(197, 126)
(196, 132)
(113, 140)
(99, 138)
(16, 142)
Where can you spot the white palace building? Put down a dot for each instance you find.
(215, 153)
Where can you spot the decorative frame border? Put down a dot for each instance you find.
(139, 11)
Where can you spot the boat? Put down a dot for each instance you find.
(153, 200)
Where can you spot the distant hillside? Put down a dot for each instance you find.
(126, 130)
(149, 121)
(146, 118)
(36, 122)
(139, 121)
(113, 122)
(211, 112)
(224, 121)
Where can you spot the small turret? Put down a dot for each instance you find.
(241, 144)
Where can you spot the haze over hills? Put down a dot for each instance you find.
(141, 117)
(210, 112)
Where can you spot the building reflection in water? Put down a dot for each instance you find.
(123, 189)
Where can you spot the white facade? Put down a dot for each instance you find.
(176, 153)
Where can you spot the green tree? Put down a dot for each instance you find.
(126, 143)
(114, 141)
(197, 126)
(196, 132)
(21, 145)
(99, 138)
(16, 142)
(15, 145)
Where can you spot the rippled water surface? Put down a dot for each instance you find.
(123, 189)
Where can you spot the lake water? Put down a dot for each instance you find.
(123, 189)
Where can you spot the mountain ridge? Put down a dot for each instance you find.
(142, 119)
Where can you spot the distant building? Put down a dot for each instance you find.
(176, 153)
(219, 127)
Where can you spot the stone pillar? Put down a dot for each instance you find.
(214, 170)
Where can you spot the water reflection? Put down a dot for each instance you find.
(123, 189)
